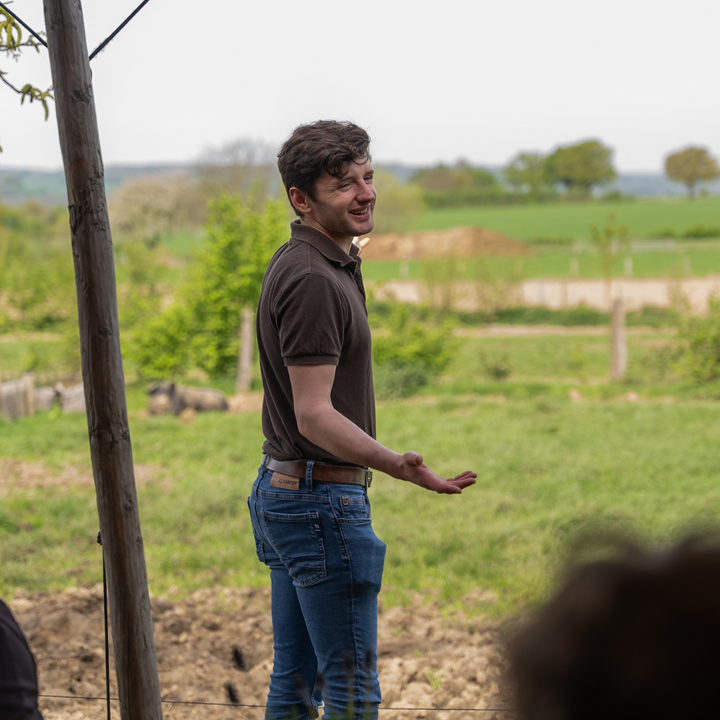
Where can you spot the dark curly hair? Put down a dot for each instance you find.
(322, 146)
(630, 638)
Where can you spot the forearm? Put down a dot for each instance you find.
(322, 424)
(333, 432)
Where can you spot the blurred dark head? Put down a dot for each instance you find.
(628, 638)
(323, 146)
(18, 675)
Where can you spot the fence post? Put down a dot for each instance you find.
(618, 360)
(243, 381)
(110, 448)
(29, 388)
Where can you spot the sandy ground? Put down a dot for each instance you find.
(218, 642)
(557, 294)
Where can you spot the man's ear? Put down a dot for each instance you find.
(299, 200)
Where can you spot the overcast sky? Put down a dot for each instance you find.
(431, 81)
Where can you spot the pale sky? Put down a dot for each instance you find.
(431, 81)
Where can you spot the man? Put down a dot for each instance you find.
(309, 505)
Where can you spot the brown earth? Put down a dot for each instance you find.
(220, 637)
(457, 242)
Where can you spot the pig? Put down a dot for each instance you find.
(168, 397)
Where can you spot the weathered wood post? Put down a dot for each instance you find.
(29, 390)
(243, 380)
(618, 358)
(111, 452)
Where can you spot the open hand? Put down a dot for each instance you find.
(414, 470)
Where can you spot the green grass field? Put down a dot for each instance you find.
(573, 220)
(548, 469)
(568, 221)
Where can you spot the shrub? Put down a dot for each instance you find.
(410, 353)
(700, 231)
(700, 341)
(497, 368)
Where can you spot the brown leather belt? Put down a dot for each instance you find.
(322, 473)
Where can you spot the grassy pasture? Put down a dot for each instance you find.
(548, 468)
(573, 220)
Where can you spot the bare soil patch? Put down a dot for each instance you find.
(221, 636)
(456, 242)
(15, 473)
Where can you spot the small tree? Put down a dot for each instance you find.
(612, 242)
(691, 166)
(11, 42)
(201, 328)
(580, 167)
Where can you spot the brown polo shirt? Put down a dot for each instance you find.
(312, 312)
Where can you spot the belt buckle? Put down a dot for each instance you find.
(368, 477)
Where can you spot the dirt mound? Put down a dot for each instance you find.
(457, 242)
(220, 636)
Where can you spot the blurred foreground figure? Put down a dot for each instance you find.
(633, 637)
(18, 675)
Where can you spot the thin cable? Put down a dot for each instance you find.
(246, 705)
(108, 39)
(27, 27)
(107, 643)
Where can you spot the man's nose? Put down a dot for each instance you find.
(366, 193)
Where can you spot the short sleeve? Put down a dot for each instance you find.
(311, 315)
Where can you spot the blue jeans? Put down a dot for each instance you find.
(326, 567)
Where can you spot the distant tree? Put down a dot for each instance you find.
(244, 167)
(691, 166)
(461, 176)
(525, 172)
(11, 43)
(399, 205)
(146, 208)
(458, 185)
(580, 167)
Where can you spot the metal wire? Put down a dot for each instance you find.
(27, 27)
(107, 642)
(100, 47)
(245, 705)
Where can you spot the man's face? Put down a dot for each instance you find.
(343, 206)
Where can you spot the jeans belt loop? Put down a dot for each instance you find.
(308, 475)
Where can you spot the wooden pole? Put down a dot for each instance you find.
(243, 381)
(110, 448)
(29, 388)
(618, 359)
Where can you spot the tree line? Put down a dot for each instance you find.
(570, 172)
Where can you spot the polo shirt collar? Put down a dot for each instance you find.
(323, 244)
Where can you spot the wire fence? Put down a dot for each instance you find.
(239, 706)
(99, 48)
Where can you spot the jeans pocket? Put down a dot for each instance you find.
(354, 508)
(298, 541)
(259, 547)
